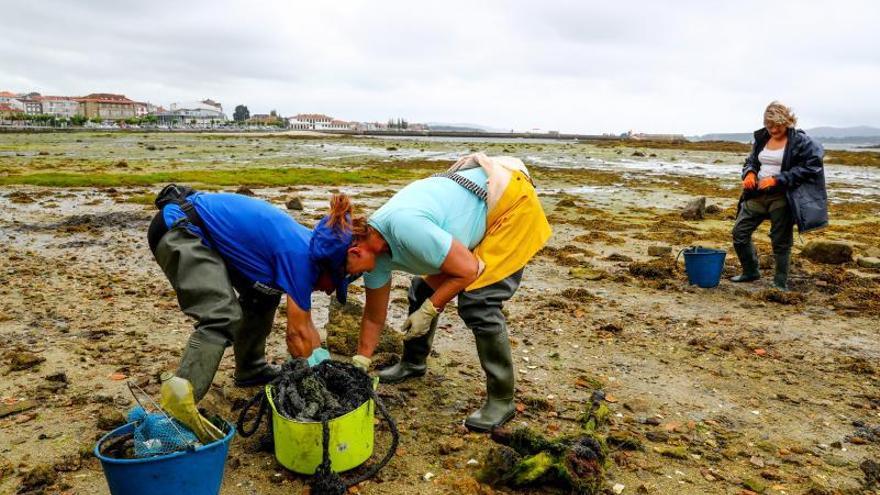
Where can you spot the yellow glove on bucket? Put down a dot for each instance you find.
(177, 400)
(419, 322)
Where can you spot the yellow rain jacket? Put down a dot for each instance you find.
(516, 226)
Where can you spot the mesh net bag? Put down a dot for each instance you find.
(156, 434)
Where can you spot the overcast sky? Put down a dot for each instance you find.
(578, 66)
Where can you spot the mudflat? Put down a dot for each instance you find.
(720, 390)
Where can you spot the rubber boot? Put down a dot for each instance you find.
(780, 278)
(748, 258)
(199, 363)
(251, 368)
(413, 363)
(494, 352)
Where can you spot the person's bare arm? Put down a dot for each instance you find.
(375, 313)
(302, 336)
(459, 269)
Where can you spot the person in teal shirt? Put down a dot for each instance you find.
(429, 229)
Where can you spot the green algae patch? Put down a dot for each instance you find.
(575, 463)
(266, 177)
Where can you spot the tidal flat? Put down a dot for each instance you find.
(716, 390)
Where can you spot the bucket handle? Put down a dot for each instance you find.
(679, 253)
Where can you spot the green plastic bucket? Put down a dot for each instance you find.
(298, 444)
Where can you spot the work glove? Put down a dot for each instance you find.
(362, 362)
(319, 355)
(419, 322)
(767, 183)
(750, 182)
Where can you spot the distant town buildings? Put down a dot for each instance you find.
(117, 109)
(200, 114)
(59, 106)
(318, 122)
(107, 106)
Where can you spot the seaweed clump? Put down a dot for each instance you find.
(660, 268)
(325, 391)
(344, 328)
(576, 462)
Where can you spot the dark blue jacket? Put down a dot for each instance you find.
(802, 177)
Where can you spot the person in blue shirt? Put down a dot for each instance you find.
(230, 258)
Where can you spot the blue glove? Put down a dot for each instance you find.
(318, 355)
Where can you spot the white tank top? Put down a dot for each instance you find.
(771, 162)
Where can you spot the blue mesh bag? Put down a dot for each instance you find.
(157, 434)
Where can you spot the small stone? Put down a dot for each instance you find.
(695, 209)
(869, 262)
(428, 476)
(659, 250)
(755, 485)
(37, 478)
(22, 360)
(16, 407)
(618, 488)
(828, 252)
(109, 418)
(294, 203)
(447, 446)
(244, 191)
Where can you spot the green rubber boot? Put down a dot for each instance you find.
(258, 315)
(199, 363)
(748, 258)
(494, 352)
(783, 264)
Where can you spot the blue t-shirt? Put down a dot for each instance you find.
(262, 242)
(420, 221)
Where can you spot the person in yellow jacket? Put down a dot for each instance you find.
(466, 233)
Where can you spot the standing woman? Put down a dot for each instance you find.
(466, 233)
(230, 258)
(783, 180)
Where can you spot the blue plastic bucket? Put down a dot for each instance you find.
(192, 472)
(704, 266)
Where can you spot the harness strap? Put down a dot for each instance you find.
(465, 183)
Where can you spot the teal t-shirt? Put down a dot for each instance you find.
(420, 221)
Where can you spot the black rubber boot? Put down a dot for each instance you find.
(494, 352)
(780, 278)
(258, 315)
(199, 363)
(413, 363)
(748, 258)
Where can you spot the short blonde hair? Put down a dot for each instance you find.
(779, 114)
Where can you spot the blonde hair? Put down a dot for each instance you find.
(342, 217)
(779, 114)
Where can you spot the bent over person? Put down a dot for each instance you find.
(468, 233)
(230, 258)
(784, 181)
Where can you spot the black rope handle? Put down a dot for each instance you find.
(261, 412)
(395, 440)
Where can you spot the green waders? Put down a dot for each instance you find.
(752, 213)
(481, 311)
(205, 293)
